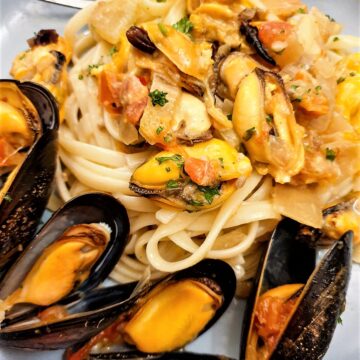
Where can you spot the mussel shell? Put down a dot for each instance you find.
(80, 327)
(289, 261)
(31, 187)
(84, 209)
(166, 356)
(306, 338)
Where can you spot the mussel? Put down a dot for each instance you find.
(193, 299)
(264, 118)
(337, 219)
(28, 127)
(192, 177)
(72, 254)
(211, 284)
(297, 304)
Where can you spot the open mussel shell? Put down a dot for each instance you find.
(307, 333)
(168, 356)
(81, 327)
(28, 188)
(84, 209)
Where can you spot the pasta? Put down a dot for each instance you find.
(101, 150)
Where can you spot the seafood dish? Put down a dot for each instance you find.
(190, 154)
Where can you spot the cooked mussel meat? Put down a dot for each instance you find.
(61, 266)
(192, 299)
(264, 118)
(209, 283)
(71, 253)
(297, 304)
(337, 219)
(28, 131)
(192, 177)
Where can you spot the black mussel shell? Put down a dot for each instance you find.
(167, 356)
(29, 192)
(289, 261)
(324, 300)
(84, 209)
(78, 328)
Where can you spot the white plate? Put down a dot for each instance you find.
(20, 19)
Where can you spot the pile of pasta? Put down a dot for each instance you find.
(205, 53)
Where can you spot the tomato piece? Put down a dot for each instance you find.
(272, 31)
(107, 93)
(201, 172)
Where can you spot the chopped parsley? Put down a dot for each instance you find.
(301, 11)
(177, 158)
(159, 130)
(221, 162)
(339, 320)
(168, 138)
(195, 203)
(113, 51)
(172, 184)
(340, 80)
(184, 25)
(229, 117)
(318, 88)
(81, 77)
(22, 57)
(163, 29)
(249, 133)
(294, 87)
(269, 119)
(335, 39)
(160, 1)
(93, 67)
(209, 193)
(298, 99)
(167, 169)
(330, 154)
(8, 198)
(158, 98)
(352, 74)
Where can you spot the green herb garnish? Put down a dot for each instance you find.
(159, 130)
(301, 11)
(172, 184)
(352, 74)
(92, 67)
(298, 99)
(113, 51)
(184, 25)
(318, 88)
(160, 1)
(168, 138)
(336, 39)
(178, 159)
(294, 87)
(330, 18)
(195, 203)
(229, 117)
(167, 169)
(22, 57)
(269, 119)
(221, 162)
(339, 320)
(340, 80)
(8, 198)
(158, 98)
(163, 29)
(330, 154)
(81, 77)
(209, 193)
(249, 133)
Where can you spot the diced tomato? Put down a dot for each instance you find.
(272, 31)
(270, 318)
(201, 172)
(123, 95)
